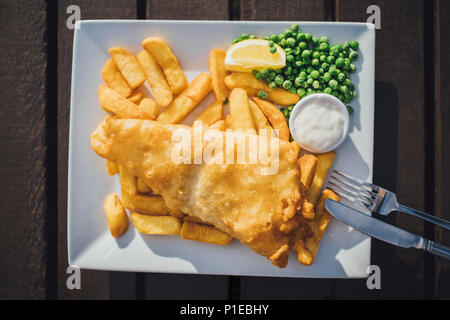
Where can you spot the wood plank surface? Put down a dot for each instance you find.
(94, 283)
(23, 149)
(285, 288)
(399, 155)
(183, 286)
(442, 139)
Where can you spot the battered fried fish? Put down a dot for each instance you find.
(235, 198)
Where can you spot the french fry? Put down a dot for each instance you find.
(219, 125)
(199, 87)
(127, 182)
(193, 220)
(308, 166)
(142, 187)
(321, 221)
(162, 53)
(241, 117)
(211, 114)
(217, 69)
(150, 204)
(276, 118)
(182, 105)
(115, 213)
(260, 120)
(114, 79)
(161, 225)
(136, 97)
(155, 77)
(129, 67)
(323, 165)
(149, 107)
(252, 85)
(112, 101)
(228, 122)
(112, 167)
(204, 233)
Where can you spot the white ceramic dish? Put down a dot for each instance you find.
(343, 252)
(304, 102)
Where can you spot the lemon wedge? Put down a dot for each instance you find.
(251, 54)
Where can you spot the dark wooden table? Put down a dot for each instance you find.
(412, 147)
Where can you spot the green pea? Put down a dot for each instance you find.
(327, 90)
(294, 27)
(335, 93)
(346, 65)
(289, 58)
(350, 109)
(288, 71)
(255, 72)
(292, 90)
(271, 43)
(323, 39)
(352, 68)
(334, 51)
(281, 36)
(315, 62)
(252, 36)
(265, 38)
(343, 89)
(315, 41)
(298, 64)
(302, 75)
(331, 59)
(327, 76)
(258, 76)
(302, 45)
(274, 37)
(341, 77)
(339, 47)
(290, 42)
(287, 33)
(315, 74)
(244, 36)
(278, 71)
(279, 79)
(306, 60)
(332, 70)
(316, 54)
(323, 46)
(287, 84)
(283, 43)
(353, 55)
(308, 37)
(262, 94)
(310, 81)
(306, 53)
(264, 72)
(346, 45)
(291, 77)
(354, 45)
(273, 50)
(347, 82)
(300, 36)
(296, 51)
(323, 58)
(301, 92)
(325, 66)
(333, 84)
(272, 85)
(298, 82)
(236, 40)
(321, 71)
(339, 62)
(316, 84)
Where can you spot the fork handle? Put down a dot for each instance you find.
(438, 221)
(438, 249)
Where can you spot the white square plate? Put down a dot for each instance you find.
(344, 252)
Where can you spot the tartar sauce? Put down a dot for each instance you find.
(319, 125)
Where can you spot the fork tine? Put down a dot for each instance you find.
(361, 191)
(348, 198)
(354, 195)
(355, 180)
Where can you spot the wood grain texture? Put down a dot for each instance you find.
(399, 155)
(188, 10)
(442, 139)
(94, 283)
(285, 288)
(183, 286)
(300, 10)
(22, 149)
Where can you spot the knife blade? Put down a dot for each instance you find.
(374, 227)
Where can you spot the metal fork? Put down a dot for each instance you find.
(374, 198)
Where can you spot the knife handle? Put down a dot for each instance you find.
(438, 249)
